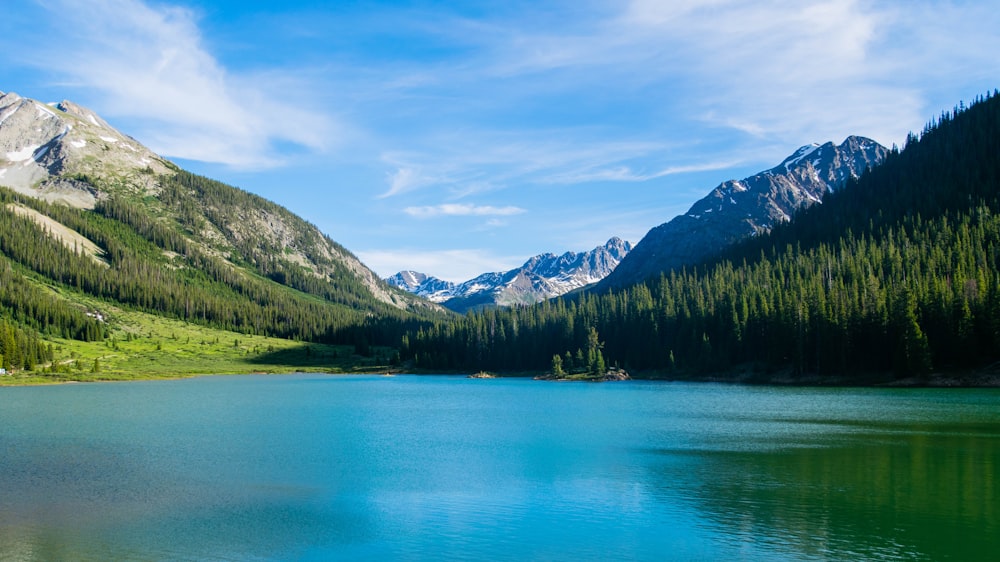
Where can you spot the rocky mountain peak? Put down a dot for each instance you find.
(740, 208)
(83, 114)
(67, 153)
(541, 277)
(42, 147)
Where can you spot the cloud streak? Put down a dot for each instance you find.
(151, 66)
(462, 210)
(490, 161)
(626, 174)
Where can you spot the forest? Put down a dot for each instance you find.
(147, 265)
(896, 272)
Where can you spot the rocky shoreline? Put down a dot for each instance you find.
(610, 375)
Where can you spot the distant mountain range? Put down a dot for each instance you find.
(542, 277)
(732, 211)
(740, 208)
(65, 154)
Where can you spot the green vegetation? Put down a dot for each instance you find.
(143, 346)
(186, 256)
(898, 272)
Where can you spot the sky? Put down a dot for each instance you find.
(457, 138)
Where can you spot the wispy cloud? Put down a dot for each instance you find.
(783, 69)
(450, 265)
(777, 74)
(627, 174)
(405, 179)
(462, 210)
(150, 65)
(476, 163)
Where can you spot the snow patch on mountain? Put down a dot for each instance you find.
(541, 277)
(755, 204)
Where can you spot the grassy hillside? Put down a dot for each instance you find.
(143, 346)
(75, 281)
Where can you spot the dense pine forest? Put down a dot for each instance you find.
(152, 265)
(896, 272)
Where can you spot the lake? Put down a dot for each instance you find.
(318, 467)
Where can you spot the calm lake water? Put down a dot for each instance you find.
(313, 467)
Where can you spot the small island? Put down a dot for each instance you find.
(612, 374)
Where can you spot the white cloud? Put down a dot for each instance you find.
(627, 174)
(462, 210)
(403, 180)
(780, 73)
(815, 71)
(151, 67)
(484, 161)
(450, 265)
(782, 70)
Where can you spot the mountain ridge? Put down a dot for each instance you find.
(894, 279)
(736, 209)
(540, 277)
(66, 153)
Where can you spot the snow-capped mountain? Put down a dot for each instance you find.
(44, 147)
(541, 277)
(737, 209)
(431, 288)
(62, 152)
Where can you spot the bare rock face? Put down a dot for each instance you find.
(542, 277)
(616, 375)
(737, 209)
(42, 147)
(66, 153)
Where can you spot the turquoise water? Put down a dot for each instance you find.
(314, 467)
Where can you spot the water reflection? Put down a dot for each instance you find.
(886, 492)
(315, 468)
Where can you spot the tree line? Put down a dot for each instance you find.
(139, 274)
(898, 271)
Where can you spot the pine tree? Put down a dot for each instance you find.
(557, 366)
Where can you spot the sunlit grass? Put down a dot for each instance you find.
(144, 346)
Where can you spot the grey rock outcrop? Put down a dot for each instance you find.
(737, 209)
(43, 147)
(66, 153)
(541, 277)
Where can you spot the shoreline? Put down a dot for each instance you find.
(984, 378)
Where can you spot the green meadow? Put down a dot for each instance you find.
(144, 346)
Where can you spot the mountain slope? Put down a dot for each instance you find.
(48, 151)
(895, 276)
(541, 277)
(737, 209)
(427, 286)
(65, 153)
(92, 222)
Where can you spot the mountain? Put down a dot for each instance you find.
(894, 278)
(542, 277)
(48, 150)
(66, 153)
(737, 209)
(427, 286)
(95, 227)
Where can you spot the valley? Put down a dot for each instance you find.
(831, 267)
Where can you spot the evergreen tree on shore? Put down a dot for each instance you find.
(898, 271)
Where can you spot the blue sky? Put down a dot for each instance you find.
(456, 138)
